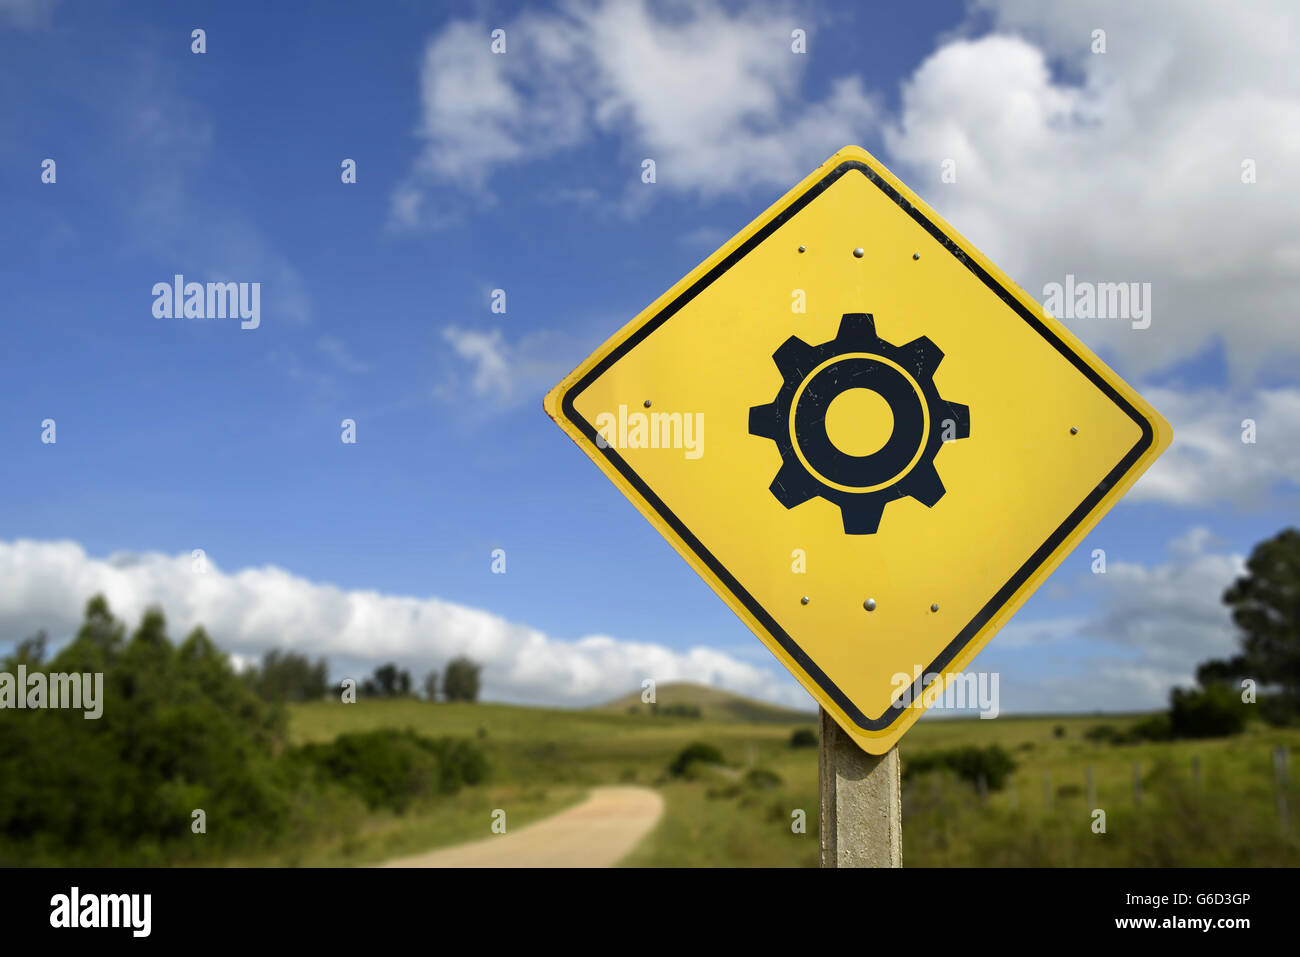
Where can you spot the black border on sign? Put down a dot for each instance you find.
(1003, 595)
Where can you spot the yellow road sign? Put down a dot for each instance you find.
(867, 439)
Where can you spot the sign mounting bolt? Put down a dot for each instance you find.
(859, 252)
(869, 604)
(804, 600)
(647, 403)
(935, 606)
(1074, 430)
(803, 249)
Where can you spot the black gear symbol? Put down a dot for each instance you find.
(861, 485)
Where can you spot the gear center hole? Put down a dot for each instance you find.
(859, 422)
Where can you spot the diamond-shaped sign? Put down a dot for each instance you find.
(868, 440)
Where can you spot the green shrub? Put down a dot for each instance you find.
(1103, 734)
(1156, 727)
(391, 769)
(1216, 711)
(803, 738)
(696, 751)
(1279, 710)
(761, 778)
(970, 763)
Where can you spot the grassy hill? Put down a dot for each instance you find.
(713, 704)
(544, 758)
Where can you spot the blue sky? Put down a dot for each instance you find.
(522, 172)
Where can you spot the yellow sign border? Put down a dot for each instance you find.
(875, 735)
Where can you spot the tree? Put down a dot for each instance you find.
(1223, 671)
(100, 629)
(431, 686)
(177, 730)
(388, 681)
(461, 682)
(1265, 605)
(29, 652)
(286, 676)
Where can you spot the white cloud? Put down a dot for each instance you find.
(1037, 632)
(405, 206)
(1208, 463)
(1126, 166)
(485, 352)
(476, 112)
(1108, 685)
(1173, 613)
(1153, 625)
(504, 371)
(712, 96)
(254, 609)
(707, 238)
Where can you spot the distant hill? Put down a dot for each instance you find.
(714, 704)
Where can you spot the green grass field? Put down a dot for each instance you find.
(543, 759)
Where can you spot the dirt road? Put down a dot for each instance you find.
(596, 833)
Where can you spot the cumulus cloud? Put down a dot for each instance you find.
(1237, 450)
(255, 609)
(1116, 166)
(1172, 613)
(711, 95)
(1122, 166)
(1152, 626)
(1126, 166)
(1107, 685)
